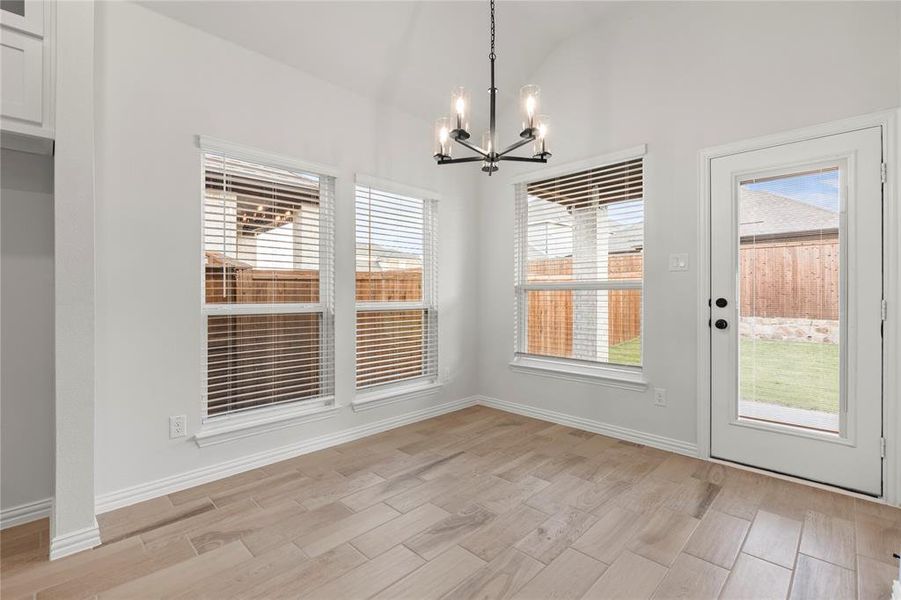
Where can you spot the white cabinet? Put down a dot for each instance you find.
(26, 67)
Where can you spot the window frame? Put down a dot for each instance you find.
(630, 377)
(380, 394)
(259, 419)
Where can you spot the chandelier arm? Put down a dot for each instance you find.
(473, 147)
(530, 159)
(513, 147)
(465, 159)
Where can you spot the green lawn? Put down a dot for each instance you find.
(798, 374)
(626, 353)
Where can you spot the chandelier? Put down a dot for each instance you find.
(456, 127)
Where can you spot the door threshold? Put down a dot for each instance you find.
(814, 484)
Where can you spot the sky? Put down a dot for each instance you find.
(818, 189)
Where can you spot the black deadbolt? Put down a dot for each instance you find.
(721, 302)
(721, 324)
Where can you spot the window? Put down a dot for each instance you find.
(268, 270)
(397, 317)
(579, 244)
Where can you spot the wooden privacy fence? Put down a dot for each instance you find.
(550, 312)
(780, 278)
(280, 353)
(790, 278)
(550, 319)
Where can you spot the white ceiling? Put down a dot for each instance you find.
(409, 54)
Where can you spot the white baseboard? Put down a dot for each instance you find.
(70, 543)
(167, 485)
(622, 433)
(25, 513)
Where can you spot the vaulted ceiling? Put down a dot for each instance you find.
(406, 54)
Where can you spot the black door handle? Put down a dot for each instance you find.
(721, 324)
(721, 302)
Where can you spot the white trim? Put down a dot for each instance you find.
(599, 374)
(622, 433)
(704, 308)
(877, 119)
(25, 513)
(600, 284)
(393, 187)
(262, 309)
(390, 305)
(238, 425)
(892, 294)
(888, 121)
(160, 487)
(580, 165)
(76, 541)
(383, 396)
(250, 154)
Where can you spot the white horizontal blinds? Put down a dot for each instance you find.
(262, 229)
(395, 283)
(579, 260)
(268, 238)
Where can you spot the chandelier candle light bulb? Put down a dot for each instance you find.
(529, 96)
(460, 113)
(456, 128)
(442, 139)
(542, 122)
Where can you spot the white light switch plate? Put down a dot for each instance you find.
(678, 262)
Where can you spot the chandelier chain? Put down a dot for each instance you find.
(492, 56)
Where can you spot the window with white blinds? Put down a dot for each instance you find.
(397, 316)
(579, 265)
(268, 271)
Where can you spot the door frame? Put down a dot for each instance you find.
(890, 122)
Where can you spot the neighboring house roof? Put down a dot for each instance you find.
(766, 214)
(628, 237)
(624, 237)
(383, 257)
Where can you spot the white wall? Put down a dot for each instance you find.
(26, 383)
(679, 77)
(160, 83)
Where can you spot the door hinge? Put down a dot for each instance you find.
(883, 171)
(884, 309)
(882, 447)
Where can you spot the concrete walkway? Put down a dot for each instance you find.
(799, 417)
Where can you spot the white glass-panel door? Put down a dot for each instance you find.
(796, 284)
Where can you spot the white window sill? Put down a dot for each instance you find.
(228, 428)
(383, 397)
(609, 375)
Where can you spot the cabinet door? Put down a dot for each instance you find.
(24, 15)
(22, 62)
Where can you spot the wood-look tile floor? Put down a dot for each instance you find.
(477, 504)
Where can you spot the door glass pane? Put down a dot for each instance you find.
(790, 291)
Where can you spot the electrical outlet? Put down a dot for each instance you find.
(178, 426)
(659, 397)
